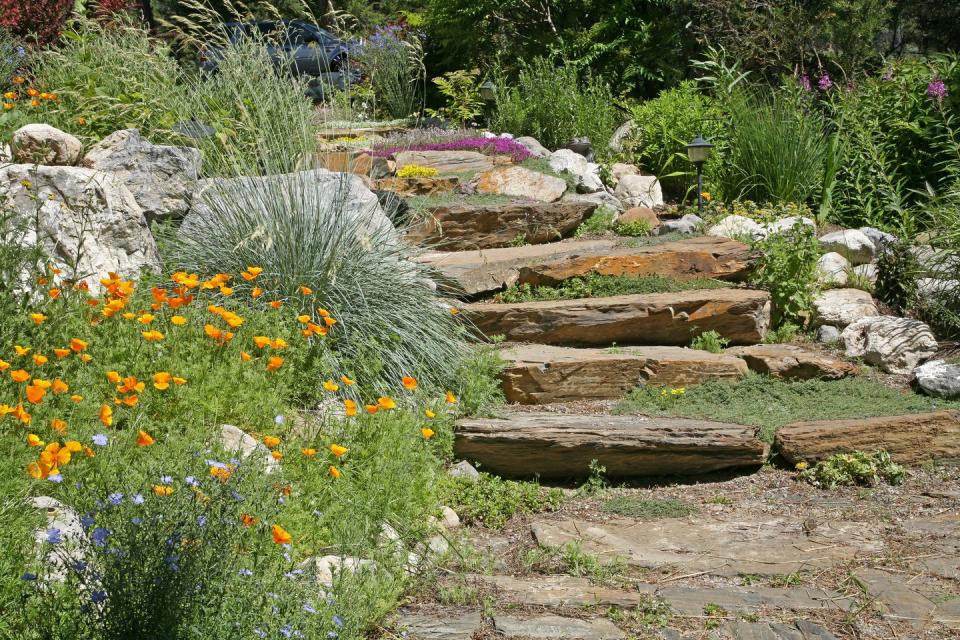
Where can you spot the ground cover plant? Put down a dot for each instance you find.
(598, 286)
(856, 468)
(768, 403)
(636, 507)
(494, 146)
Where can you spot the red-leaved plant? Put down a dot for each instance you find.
(37, 21)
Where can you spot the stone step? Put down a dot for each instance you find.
(542, 374)
(469, 227)
(790, 362)
(557, 446)
(910, 439)
(703, 257)
(742, 316)
(717, 545)
(484, 271)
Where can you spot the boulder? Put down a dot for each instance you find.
(852, 244)
(742, 316)
(828, 335)
(587, 174)
(358, 162)
(445, 161)
(896, 345)
(325, 569)
(787, 225)
(542, 374)
(702, 257)
(45, 145)
(833, 269)
(419, 186)
(880, 239)
(533, 145)
(554, 446)
(688, 224)
(81, 217)
(790, 362)
(739, 227)
(466, 227)
(161, 178)
(619, 136)
(840, 307)
(910, 439)
(61, 558)
(620, 169)
(640, 214)
(581, 145)
(867, 272)
(521, 182)
(235, 441)
(639, 191)
(464, 469)
(933, 287)
(600, 198)
(484, 271)
(939, 379)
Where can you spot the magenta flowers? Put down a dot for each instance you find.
(489, 146)
(937, 90)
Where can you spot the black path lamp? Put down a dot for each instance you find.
(698, 150)
(488, 92)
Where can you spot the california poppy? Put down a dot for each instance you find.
(276, 455)
(338, 450)
(33, 440)
(427, 433)
(106, 415)
(58, 425)
(305, 290)
(429, 414)
(345, 380)
(59, 386)
(39, 359)
(178, 320)
(19, 375)
(261, 341)
(451, 399)
(334, 472)
(35, 394)
(162, 490)
(38, 318)
(330, 385)
(351, 407)
(152, 336)
(386, 403)
(61, 353)
(271, 441)
(371, 408)
(274, 363)
(409, 383)
(309, 452)
(144, 439)
(247, 520)
(245, 356)
(280, 535)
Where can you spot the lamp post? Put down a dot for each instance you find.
(698, 150)
(488, 91)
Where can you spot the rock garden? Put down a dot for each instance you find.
(491, 355)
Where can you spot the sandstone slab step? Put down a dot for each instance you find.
(703, 257)
(761, 545)
(467, 227)
(562, 446)
(558, 627)
(910, 439)
(742, 316)
(797, 630)
(451, 624)
(791, 362)
(487, 270)
(445, 162)
(541, 374)
(561, 591)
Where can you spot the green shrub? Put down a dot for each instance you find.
(787, 268)
(298, 231)
(461, 91)
(709, 341)
(635, 228)
(553, 103)
(648, 509)
(492, 501)
(600, 221)
(852, 469)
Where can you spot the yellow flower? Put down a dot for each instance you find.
(34, 440)
(351, 407)
(303, 318)
(76, 398)
(706, 196)
(178, 320)
(152, 336)
(161, 380)
(429, 414)
(330, 385)
(308, 452)
(334, 472)
(38, 318)
(426, 432)
(73, 446)
(106, 415)
(162, 490)
(345, 380)
(305, 290)
(58, 425)
(261, 341)
(801, 466)
(276, 455)
(338, 450)
(7, 106)
(246, 357)
(146, 318)
(271, 441)
(39, 359)
(21, 351)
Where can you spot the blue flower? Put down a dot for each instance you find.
(79, 566)
(260, 634)
(246, 572)
(115, 498)
(28, 576)
(99, 536)
(136, 520)
(202, 521)
(309, 608)
(55, 477)
(100, 440)
(286, 631)
(216, 465)
(87, 521)
(136, 498)
(98, 596)
(166, 479)
(236, 496)
(337, 620)
(190, 480)
(54, 536)
(279, 420)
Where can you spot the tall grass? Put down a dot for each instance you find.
(393, 60)
(777, 150)
(553, 103)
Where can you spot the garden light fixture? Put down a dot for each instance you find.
(488, 91)
(698, 150)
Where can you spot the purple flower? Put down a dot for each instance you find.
(115, 498)
(937, 90)
(825, 82)
(136, 498)
(99, 536)
(309, 608)
(54, 536)
(136, 520)
(260, 633)
(79, 566)
(235, 495)
(286, 631)
(28, 576)
(246, 572)
(202, 521)
(805, 82)
(55, 477)
(87, 521)
(337, 620)
(166, 479)
(887, 75)
(100, 440)
(190, 480)
(98, 596)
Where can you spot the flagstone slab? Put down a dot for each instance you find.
(761, 546)
(561, 446)
(444, 625)
(702, 257)
(742, 316)
(562, 591)
(799, 630)
(692, 600)
(558, 627)
(790, 362)
(541, 374)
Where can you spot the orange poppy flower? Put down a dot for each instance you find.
(226, 291)
(38, 318)
(43, 384)
(334, 472)
(55, 455)
(409, 383)
(308, 452)
(451, 399)
(85, 357)
(345, 380)
(247, 520)
(113, 376)
(329, 321)
(4, 365)
(178, 320)
(73, 446)
(303, 318)
(19, 375)
(178, 380)
(146, 318)
(61, 353)
(305, 290)
(274, 363)
(323, 312)
(76, 397)
(276, 304)
(21, 414)
(338, 450)
(106, 415)
(429, 414)
(33, 92)
(161, 380)
(144, 439)
(330, 385)
(21, 351)
(276, 455)
(39, 359)
(35, 394)
(152, 336)
(351, 407)
(261, 341)
(54, 293)
(427, 433)
(271, 441)
(280, 535)
(245, 356)
(162, 490)
(58, 425)
(279, 343)
(87, 451)
(386, 403)
(33, 440)
(59, 386)
(371, 408)
(129, 315)
(256, 292)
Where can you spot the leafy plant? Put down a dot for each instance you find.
(600, 221)
(596, 482)
(634, 228)
(416, 171)
(857, 468)
(709, 341)
(788, 270)
(492, 501)
(600, 286)
(462, 93)
(648, 509)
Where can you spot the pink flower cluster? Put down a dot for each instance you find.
(489, 146)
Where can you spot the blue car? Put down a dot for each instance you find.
(303, 48)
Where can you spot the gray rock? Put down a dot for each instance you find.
(581, 145)
(852, 244)
(840, 307)
(236, 441)
(557, 627)
(620, 169)
(620, 136)
(74, 539)
(939, 379)
(799, 630)
(601, 198)
(688, 224)
(833, 268)
(445, 162)
(828, 335)
(734, 226)
(933, 287)
(448, 518)
(533, 145)
(896, 345)
(639, 191)
(880, 239)
(587, 174)
(446, 625)
(866, 271)
(325, 569)
(521, 182)
(161, 178)
(43, 144)
(464, 469)
(784, 225)
(84, 218)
